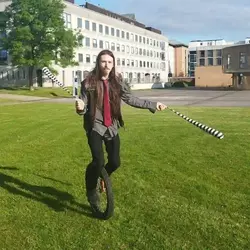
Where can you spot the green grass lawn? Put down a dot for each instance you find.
(178, 187)
(40, 92)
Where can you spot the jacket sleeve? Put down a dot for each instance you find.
(84, 97)
(134, 101)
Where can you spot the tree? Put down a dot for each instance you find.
(37, 37)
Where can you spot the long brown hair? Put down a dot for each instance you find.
(114, 86)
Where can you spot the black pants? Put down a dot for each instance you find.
(93, 170)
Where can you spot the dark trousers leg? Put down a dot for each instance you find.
(113, 150)
(94, 168)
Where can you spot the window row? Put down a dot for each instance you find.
(121, 48)
(104, 29)
(11, 75)
(243, 62)
(131, 77)
(122, 62)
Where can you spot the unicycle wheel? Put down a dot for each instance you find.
(105, 209)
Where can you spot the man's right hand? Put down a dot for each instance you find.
(79, 105)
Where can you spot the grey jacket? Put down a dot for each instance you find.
(128, 98)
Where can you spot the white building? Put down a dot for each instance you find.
(141, 52)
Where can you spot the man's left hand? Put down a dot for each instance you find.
(160, 106)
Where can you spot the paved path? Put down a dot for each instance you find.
(170, 97)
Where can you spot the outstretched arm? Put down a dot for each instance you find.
(136, 102)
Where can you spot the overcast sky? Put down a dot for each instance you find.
(186, 20)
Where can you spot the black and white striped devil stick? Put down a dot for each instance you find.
(47, 72)
(207, 129)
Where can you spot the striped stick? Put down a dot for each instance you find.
(47, 72)
(205, 128)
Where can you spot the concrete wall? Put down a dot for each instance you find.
(212, 76)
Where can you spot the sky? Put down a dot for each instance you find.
(186, 20)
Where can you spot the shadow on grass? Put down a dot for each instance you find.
(52, 179)
(55, 199)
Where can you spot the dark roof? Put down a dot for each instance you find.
(119, 17)
(177, 44)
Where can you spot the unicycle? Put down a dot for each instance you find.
(104, 190)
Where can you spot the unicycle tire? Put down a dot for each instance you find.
(106, 208)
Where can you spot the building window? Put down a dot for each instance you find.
(210, 61)
(87, 58)
(123, 62)
(87, 41)
(94, 58)
(228, 61)
(118, 47)
(94, 26)
(127, 35)
(80, 57)
(101, 44)
(106, 45)
(218, 61)
(79, 22)
(218, 53)
(202, 62)
(94, 43)
(67, 20)
(210, 53)
(123, 48)
(118, 61)
(128, 63)
(3, 55)
(118, 33)
(128, 50)
(106, 30)
(112, 31)
(113, 46)
(100, 28)
(86, 24)
(123, 34)
(202, 53)
(243, 60)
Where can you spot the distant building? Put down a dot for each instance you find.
(205, 53)
(236, 64)
(178, 59)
